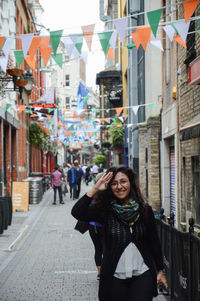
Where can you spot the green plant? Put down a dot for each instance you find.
(116, 133)
(100, 159)
(39, 137)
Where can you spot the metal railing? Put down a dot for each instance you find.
(181, 252)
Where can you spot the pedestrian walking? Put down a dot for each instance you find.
(100, 169)
(56, 184)
(95, 170)
(87, 175)
(72, 175)
(80, 175)
(132, 264)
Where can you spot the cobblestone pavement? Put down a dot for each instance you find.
(43, 258)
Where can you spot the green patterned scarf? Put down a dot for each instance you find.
(127, 213)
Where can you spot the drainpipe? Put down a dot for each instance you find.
(103, 17)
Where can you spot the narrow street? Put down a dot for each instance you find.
(43, 258)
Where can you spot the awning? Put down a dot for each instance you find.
(191, 129)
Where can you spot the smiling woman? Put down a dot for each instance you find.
(132, 263)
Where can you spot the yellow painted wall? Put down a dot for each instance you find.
(123, 55)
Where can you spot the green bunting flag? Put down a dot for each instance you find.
(198, 22)
(8, 105)
(151, 105)
(79, 43)
(28, 111)
(104, 38)
(2, 44)
(58, 58)
(55, 37)
(198, 31)
(50, 110)
(85, 99)
(154, 18)
(57, 101)
(19, 56)
(130, 46)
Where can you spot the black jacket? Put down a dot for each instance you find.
(69, 175)
(118, 236)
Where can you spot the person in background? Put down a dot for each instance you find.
(72, 176)
(80, 176)
(56, 184)
(100, 169)
(87, 175)
(132, 263)
(94, 171)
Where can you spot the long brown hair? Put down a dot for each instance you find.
(105, 196)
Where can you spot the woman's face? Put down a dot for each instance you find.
(120, 186)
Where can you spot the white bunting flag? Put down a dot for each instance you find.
(170, 31)
(182, 28)
(157, 44)
(26, 42)
(121, 26)
(135, 109)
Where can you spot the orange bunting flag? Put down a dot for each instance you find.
(189, 8)
(136, 39)
(88, 134)
(34, 46)
(179, 40)
(68, 133)
(88, 32)
(99, 136)
(144, 35)
(80, 144)
(46, 54)
(118, 111)
(30, 61)
(87, 126)
(59, 142)
(34, 115)
(49, 116)
(21, 109)
(2, 39)
(74, 114)
(40, 124)
(110, 54)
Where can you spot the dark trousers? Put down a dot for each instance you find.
(137, 288)
(78, 189)
(96, 234)
(59, 188)
(73, 191)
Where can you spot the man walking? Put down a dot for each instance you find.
(56, 184)
(80, 175)
(72, 175)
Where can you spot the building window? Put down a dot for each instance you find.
(67, 102)
(67, 81)
(196, 186)
(191, 44)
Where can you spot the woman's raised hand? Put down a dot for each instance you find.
(102, 183)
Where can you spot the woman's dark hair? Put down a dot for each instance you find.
(135, 192)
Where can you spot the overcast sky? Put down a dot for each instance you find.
(70, 15)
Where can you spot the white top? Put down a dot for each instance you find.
(131, 263)
(95, 169)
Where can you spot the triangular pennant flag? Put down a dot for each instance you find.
(46, 54)
(135, 109)
(26, 42)
(19, 56)
(8, 105)
(58, 58)
(189, 8)
(129, 125)
(154, 18)
(198, 21)
(21, 109)
(34, 46)
(182, 28)
(88, 32)
(157, 44)
(104, 38)
(113, 39)
(151, 105)
(33, 115)
(30, 61)
(76, 54)
(2, 40)
(130, 46)
(144, 35)
(118, 111)
(170, 31)
(121, 26)
(55, 37)
(69, 45)
(7, 46)
(136, 39)
(3, 62)
(79, 43)
(121, 118)
(179, 40)
(110, 54)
